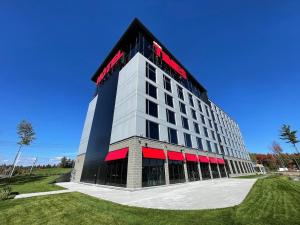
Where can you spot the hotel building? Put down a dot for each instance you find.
(150, 122)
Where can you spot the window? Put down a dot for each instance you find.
(152, 130)
(182, 107)
(205, 131)
(172, 135)
(180, 93)
(191, 100)
(170, 116)
(213, 135)
(151, 90)
(199, 143)
(167, 83)
(210, 123)
(150, 72)
(207, 111)
(208, 146)
(203, 119)
(193, 112)
(216, 148)
(168, 100)
(187, 140)
(151, 108)
(153, 172)
(185, 123)
(196, 128)
(199, 105)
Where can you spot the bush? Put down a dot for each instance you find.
(5, 192)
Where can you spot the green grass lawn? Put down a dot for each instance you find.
(40, 181)
(252, 176)
(272, 200)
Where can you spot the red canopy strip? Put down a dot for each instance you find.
(178, 156)
(221, 161)
(203, 159)
(213, 160)
(117, 154)
(191, 157)
(153, 153)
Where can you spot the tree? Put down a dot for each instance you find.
(289, 136)
(26, 137)
(277, 151)
(66, 162)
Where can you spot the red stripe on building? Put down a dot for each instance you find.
(153, 153)
(213, 160)
(117, 154)
(191, 157)
(178, 156)
(203, 159)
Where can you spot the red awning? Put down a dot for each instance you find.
(178, 156)
(153, 153)
(203, 159)
(191, 157)
(213, 160)
(117, 154)
(221, 161)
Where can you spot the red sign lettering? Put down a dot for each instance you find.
(109, 66)
(160, 53)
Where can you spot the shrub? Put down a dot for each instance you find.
(5, 192)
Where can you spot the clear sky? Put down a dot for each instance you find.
(246, 53)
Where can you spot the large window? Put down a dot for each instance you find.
(152, 130)
(193, 112)
(151, 90)
(216, 148)
(151, 108)
(205, 131)
(187, 140)
(232, 166)
(199, 106)
(196, 128)
(191, 100)
(214, 170)
(168, 100)
(205, 171)
(222, 170)
(170, 116)
(182, 107)
(176, 172)
(116, 174)
(199, 143)
(185, 123)
(237, 167)
(207, 111)
(153, 172)
(150, 72)
(172, 135)
(167, 83)
(213, 135)
(192, 170)
(210, 123)
(180, 93)
(203, 119)
(208, 146)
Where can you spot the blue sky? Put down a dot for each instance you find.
(246, 53)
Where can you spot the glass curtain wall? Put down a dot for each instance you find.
(193, 172)
(117, 172)
(214, 170)
(222, 170)
(176, 172)
(205, 171)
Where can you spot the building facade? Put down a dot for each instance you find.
(150, 122)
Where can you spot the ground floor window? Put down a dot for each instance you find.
(242, 169)
(116, 174)
(193, 172)
(214, 170)
(176, 172)
(205, 171)
(153, 172)
(232, 166)
(237, 167)
(227, 166)
(222, 170)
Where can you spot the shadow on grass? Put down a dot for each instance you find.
(21, 179)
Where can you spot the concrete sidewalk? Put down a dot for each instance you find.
(209, 194)
(29, 195)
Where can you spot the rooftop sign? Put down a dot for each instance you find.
(166, 58)
(109, 66)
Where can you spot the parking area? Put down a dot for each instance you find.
(209, 194)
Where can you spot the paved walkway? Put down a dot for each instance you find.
(29, 195)
(207, 194)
